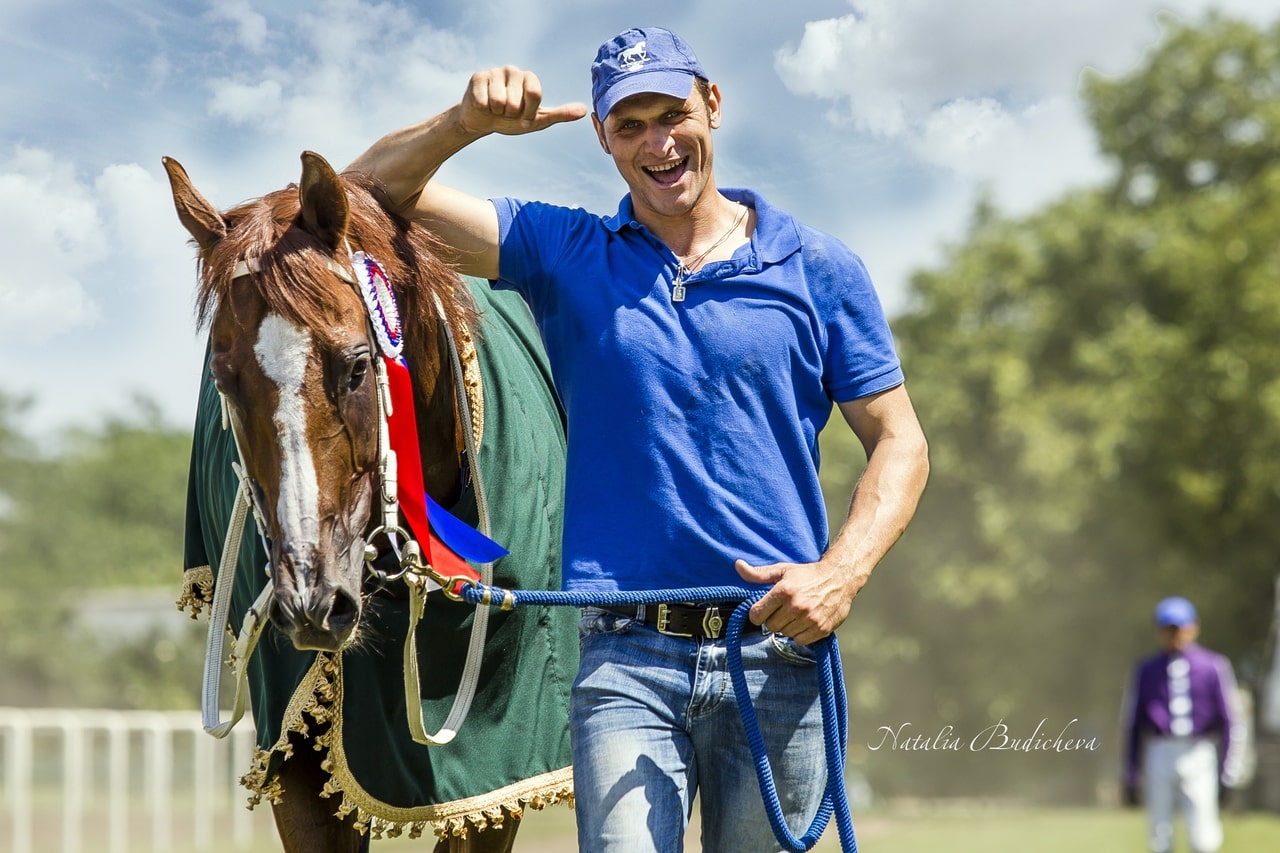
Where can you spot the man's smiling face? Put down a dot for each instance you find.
(662, 148)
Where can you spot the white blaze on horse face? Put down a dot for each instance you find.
(283, 350)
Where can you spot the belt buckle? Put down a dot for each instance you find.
(712, 623)
(663, 614)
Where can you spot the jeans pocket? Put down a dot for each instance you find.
(595, 622)
(790, 651)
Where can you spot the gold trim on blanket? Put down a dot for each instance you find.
(318, 695)
(197, 590)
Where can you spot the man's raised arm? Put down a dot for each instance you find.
(501, 100)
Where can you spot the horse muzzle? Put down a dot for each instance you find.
(315, 614)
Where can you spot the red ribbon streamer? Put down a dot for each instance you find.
(403, 431)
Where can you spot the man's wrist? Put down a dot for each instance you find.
(460, 132)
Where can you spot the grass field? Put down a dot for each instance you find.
(924, 829)
(1039, 831)
(952, 830)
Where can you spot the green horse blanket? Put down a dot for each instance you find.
(513, 750)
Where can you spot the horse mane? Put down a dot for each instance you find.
(293, 275)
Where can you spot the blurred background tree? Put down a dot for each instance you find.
(96, 515)
(1100, 384)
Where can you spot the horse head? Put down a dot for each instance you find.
(294, 360)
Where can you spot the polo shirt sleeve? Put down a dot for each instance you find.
(859, 358)
(532, 237)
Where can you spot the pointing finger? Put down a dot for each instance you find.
(564, 112)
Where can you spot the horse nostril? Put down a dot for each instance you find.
(344, 610)
(276, 612)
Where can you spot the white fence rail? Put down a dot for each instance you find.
(81, 781)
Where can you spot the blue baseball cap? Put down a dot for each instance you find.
(642, 59)
(1175, 612)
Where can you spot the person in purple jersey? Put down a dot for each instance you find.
(699, 340)
(1184, 732)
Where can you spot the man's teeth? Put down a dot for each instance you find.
(667, 168)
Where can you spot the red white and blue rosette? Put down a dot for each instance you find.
(384, 314)
(447, 541)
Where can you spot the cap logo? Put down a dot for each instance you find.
(633, 57)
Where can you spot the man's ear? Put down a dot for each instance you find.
(713, 105)
(599, 125)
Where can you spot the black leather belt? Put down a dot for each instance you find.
(700, 621)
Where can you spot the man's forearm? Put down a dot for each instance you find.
(503, 100)
(404, 160)
(883, 503)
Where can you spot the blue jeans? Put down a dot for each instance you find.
(654, 720)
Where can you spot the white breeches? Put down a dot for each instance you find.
(1182, 772)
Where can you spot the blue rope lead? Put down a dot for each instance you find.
(473, 593)
(835, 720)
(835, 738)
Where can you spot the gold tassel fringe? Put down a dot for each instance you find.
(197, 590)
(319, 697)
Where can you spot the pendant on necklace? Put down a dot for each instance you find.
(677, 287)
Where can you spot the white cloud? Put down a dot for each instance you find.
(242, 103)
(50, 237)
(985, 90)
(955, 78)
(1028, 155)
(342, 32)
(895, 62)
(353, 70)
(90, 305)
(141, 221)
(251, 27)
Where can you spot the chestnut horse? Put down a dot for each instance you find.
(291, 367)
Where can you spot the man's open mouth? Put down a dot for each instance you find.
(668, 173)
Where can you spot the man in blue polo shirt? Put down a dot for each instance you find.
(698, 340)
(1184, 731)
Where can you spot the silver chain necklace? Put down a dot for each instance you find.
(677, 286)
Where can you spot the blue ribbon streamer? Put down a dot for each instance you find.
(460, 537)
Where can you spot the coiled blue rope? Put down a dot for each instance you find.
(835, 728)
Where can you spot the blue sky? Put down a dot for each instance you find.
(875, 120)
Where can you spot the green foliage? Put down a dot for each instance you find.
(1205, 109)
(106, 509)
(1100, 384)
(103, 510)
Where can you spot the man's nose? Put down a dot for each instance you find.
(658, 141)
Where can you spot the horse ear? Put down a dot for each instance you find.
(197, 215)
(324, 201)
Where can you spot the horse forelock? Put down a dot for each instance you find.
(293, 277)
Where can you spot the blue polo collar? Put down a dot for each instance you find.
(775, 238)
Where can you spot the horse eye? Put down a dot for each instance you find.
(358, 371)
(225, 383)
